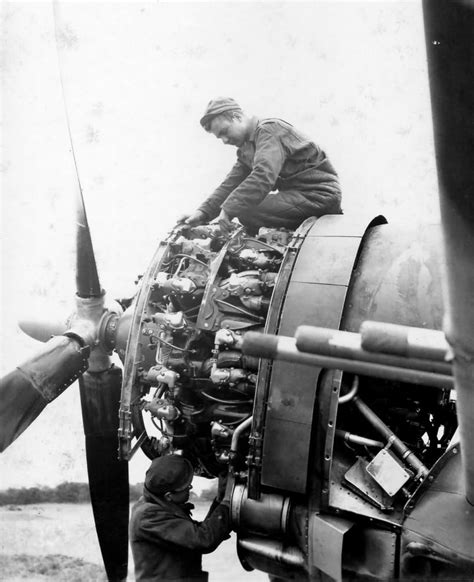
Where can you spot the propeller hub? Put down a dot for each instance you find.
(85, 325)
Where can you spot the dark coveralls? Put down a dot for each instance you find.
(167, 544)
(278, 158)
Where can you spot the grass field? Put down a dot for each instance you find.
(57, 541)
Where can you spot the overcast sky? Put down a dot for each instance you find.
(137, 77)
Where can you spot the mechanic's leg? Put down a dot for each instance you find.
(287, 210)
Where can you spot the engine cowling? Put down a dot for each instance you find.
(295, 447)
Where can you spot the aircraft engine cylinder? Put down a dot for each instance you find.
(269, 515)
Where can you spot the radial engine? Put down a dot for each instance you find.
(328, 461)
(190, 386)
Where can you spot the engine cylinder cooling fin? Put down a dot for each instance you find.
(189, 382)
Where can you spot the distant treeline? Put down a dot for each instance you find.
(71, 493)
(63, 493)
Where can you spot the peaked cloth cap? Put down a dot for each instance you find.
(217, 106)
(168, 473)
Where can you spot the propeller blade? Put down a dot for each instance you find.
(42, 330)
(108, 477)
(100, 399)
(87, 278)
(25, 392)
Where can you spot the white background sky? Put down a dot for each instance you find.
(137, 77)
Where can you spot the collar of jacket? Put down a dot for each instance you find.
(253, 128)
(160, 500)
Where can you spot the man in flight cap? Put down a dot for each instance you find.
(280, 177)
(167, 544)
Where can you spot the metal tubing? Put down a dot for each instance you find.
(358, 440)
(238, 431)
(348, 345)
(395, 443)
(352, 392)
(284, 348)
(403, 340)
(273, 550)
(449, 26)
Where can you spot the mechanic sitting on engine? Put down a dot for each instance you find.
(167, 544)
(280, 177)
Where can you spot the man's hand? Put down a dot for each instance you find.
(193, 219)
(225, 223)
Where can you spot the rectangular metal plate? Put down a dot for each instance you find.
(326, 544)
(326, 260)
(293, 389)
(311, 304)
(388, 472)
(285, 454)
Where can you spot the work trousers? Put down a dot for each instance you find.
(288, 209)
